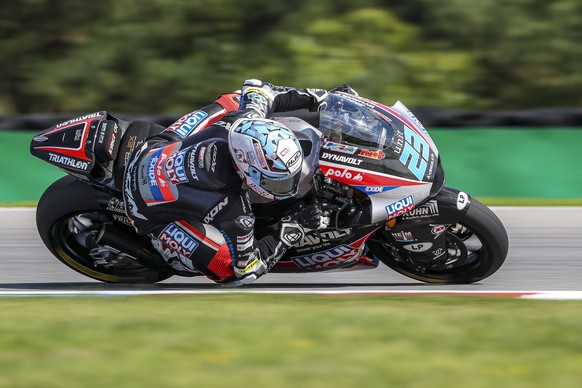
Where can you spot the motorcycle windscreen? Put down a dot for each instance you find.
(349, 122)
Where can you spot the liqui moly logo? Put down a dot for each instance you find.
(184, 126)
(332, 258)
(399, 207)
(175, 168)
(178, 240)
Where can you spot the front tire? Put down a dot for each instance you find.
(479, 241)
(68, 218)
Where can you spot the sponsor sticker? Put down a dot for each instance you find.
(373, 189)
(175, 168)
(185, 125)
(315, 238)
(399, 207)
(82, 118)
(403, 236)
(372, 154)
(437, 230)
(116, 205)
(344, 173)
(340, 147)
(178, 240)
(68, 162)
(259, 154)
(462, 200)
(427, 209)
(151, 171)
(418, 247)
(246, 222)
(214, 211)
(331, 258)
(341, 158)
(293, 159)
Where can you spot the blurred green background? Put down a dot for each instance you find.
(163, 56)
(171, 56)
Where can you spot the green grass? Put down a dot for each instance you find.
(20, 204)
(489, 201)
(289, 341)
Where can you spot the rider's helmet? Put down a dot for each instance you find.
(267, 156)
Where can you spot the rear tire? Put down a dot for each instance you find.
(479, 264)
(69, 203)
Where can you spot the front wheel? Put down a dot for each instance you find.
(476, 247)
(69, 219)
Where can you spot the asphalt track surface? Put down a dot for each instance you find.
(545, 255)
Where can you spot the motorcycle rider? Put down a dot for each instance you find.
(188, 188)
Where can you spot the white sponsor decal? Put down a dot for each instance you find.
(314, 239)
(419, 247)
(186, 124)
(341, 158)
(428, 209)
(374, 189)
(462, 200)
(69, 162)
(210, 216)
(344, 173)
(89, 116)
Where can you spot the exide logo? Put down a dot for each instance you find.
(374, 189)
(400, 207)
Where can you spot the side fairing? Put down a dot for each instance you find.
(386, 154)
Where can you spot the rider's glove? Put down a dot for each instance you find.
(345, 88)
(312, 216)
(260, 96)
(319, 99)
(257, 95)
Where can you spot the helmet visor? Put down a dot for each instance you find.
(281, 187)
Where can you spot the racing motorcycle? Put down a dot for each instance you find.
(374, 168)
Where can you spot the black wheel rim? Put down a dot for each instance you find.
(70, 249)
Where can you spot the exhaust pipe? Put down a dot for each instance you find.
(130, 244)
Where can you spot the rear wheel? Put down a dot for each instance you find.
(69, 219)
(476, 247)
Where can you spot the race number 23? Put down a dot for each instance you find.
(415, 153)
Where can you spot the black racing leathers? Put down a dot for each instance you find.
(186, 194)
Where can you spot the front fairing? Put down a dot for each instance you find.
(385, 152)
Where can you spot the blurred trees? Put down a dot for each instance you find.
(168, 56)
